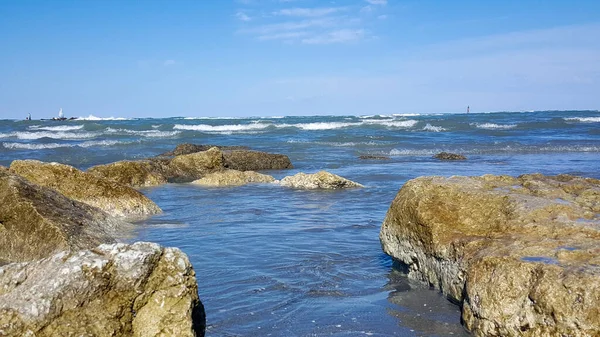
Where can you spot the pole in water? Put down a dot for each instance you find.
(468, 109)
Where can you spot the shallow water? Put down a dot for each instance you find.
(273, 261)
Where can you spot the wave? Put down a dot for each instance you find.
(498, 150)
(319, 125)
(336, 144)
(221, 128)
(395, 124)
(433, 128)
(94, 118)
(30, 146)
(57, 128)
(27, 135)
(492, 126)
(144, 133)
(583, 119)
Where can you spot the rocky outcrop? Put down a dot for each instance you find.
(255, 161)
(142, 173)
(115, 199)
(188, 148)
(319, 180)
(36, 222)
(189, 167)
(449, 156)
(233, 178)
(112, 290)
(520, 255)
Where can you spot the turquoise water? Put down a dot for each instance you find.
(278, 262)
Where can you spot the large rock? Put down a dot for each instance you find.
(188, 148)
(319, 180)
(142, 173)
(255, 161)
(233, 178)
(520, 255)
(113, 198)
(449, 156)
(36, 222)
(189, 167)
(112, 290)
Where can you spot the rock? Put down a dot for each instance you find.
(371, 157)
(255, 161)
(189, 167)
(233, 178)
(449, 156)
(36, 222)
(520, 255)
(112, 290)
(319, 180)
(141, 173)
(115, 199)
(188, 148)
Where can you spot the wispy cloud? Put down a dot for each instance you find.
(276, 21)
(169, 63)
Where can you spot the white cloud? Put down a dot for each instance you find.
(382, 17)
(243, 17)
(338, 36)
(309, 12)
(377, 2)
(291, 26)
(366, 9)
(169, 63)
(283, 36)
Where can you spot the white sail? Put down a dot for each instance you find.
(60, 113)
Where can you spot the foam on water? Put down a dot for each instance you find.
(55, 135)
(433, 128)
(320, 125)
(492, 126)
(144, 133)
(583, 119)
(94, 118)
(56, 128)
(32, 146)
(221, 128)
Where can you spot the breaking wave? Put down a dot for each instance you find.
(492, 126)
(30, 146)
(583, 119)
(221, 128)
(57, 128)
(46, 134)
(94, 118)
(433, 128)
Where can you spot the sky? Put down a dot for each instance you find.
(149, 58)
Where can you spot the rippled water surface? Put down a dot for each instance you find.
(273, 261)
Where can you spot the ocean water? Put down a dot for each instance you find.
(273, 261)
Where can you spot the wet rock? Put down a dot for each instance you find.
(371, 157)
(255, 161)
(449, 156)
(520, 255)
(319, 180)
(189, 167)
(113, 198)
(112, 290)
(36, 222)
(233, 178)
(188, 148)
(142, 173)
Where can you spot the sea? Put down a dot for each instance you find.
(273, 261)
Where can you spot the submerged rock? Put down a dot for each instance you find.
(372, 157)
(449, 156)
(111, 197)
(142, 173)
(36, 222)
(319, 180)
(233, 178)
(188, 148)
(112, 290)
(255, 161)
(520, 255)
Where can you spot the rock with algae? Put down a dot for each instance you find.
(113, 198)
(233, 178)
(521, 255)
(319, 180)
(140, 290)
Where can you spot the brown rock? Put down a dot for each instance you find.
(449, 156)
(255, 161)
(189, 167)
(113, 198)
(319, 180)
(140, 173)
(520, 255)
(188, 148)
(112, 290)
(371, 157)
(36, 222)
(233, 178)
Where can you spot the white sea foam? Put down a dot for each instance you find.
(94, 118)
(319, 125)
(30, 146)
(55, 135)
(396, 124)
(57, 128)
(433, 128)
(336, 144)
(583, 119)
(221, 128)
(492, 126)
(144, 133)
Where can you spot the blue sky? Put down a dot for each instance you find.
(296, 57)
